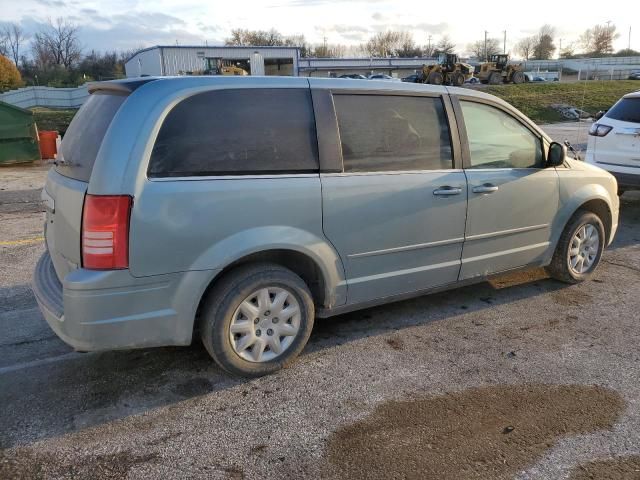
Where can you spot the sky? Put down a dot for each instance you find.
(129, 24)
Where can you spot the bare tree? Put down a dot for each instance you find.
(598, 41)
(445, 45)
(328, 50)
(525, 47)
(57, 44)
(255, 38)
(481, 50)
(544, 47)
(389, 44)
(13, 36)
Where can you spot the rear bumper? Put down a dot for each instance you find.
(109, 310)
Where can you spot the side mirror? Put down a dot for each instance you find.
(557, 154)
(600, 114)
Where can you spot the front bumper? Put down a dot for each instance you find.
(110, 310)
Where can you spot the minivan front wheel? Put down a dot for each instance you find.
(257, 319)
(579, 249)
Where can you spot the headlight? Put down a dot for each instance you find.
(599, 130)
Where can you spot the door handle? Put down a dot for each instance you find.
(486, 188)
(447, 191)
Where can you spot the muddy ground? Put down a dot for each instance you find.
(521, 377)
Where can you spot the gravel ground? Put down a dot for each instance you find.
(521, 377)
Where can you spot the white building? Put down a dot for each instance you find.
(198, 60)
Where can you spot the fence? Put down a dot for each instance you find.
(46, 97)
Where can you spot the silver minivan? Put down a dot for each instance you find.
(241, 209)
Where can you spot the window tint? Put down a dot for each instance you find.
(386, 132)
(84, 136)
(226, 132)
(497, 140)
(626, 110)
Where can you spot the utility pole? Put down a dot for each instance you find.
(504, 45)
(560, 49)
(629, 45)
(486, 56)
(429, 47)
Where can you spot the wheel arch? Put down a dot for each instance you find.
(595, 202)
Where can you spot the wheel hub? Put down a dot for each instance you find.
(265, 324)
(584, 248)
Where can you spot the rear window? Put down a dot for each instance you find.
(85, 134)
(626, 110)
(393, 133)
(237, 132)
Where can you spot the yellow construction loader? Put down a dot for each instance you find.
(498, 70)
(448, 71)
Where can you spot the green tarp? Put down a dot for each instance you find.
(18, 135)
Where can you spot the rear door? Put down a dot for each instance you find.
(621, 146)
(395, 208)
(67, 182)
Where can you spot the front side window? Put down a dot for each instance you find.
(498, 140)
(392, 132)
(244, 131)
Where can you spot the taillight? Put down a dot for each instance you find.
(105, 232)
(599, 130)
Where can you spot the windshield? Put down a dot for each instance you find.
(84, 136)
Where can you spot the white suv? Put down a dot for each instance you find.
(614, 142)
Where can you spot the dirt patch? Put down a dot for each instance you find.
(24, 463)
(395, 342)
(620, 468)
(488, 432)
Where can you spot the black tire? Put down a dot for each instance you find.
(517, 77)
(457, 79)
(495, 78)
(560, 268)
(435, 78)
(225, 298)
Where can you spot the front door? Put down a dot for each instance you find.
(512, 197)
(396, 213)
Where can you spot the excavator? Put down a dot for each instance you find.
(449, 71)
(498, 70)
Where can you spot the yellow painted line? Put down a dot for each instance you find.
(24, 241)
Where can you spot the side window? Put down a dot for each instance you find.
(391, 132)
(230, 132)
(497, 140)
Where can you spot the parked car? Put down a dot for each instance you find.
(242, 208)
(413, 78)
(472, 80)
(538, 79)
(614, 142)
(382, 76)
(354, 76)
(634, 75)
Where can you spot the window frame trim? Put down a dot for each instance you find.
(517, 116)
(456, 153)
(240, 173)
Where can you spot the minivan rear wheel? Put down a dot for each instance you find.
(257, 319)
(579, 249)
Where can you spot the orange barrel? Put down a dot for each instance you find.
(48, 143)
